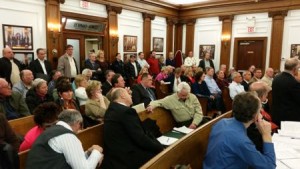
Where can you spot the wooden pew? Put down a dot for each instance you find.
(162, 90)
(190, 149)
(203, 101)
(88, 137)
(22, 125)
(227, 99)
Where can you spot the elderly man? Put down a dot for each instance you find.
(12, 104)
(235, 86)
(142, 93)
(246, 79)
(106, 86)
(230, 147)
(67, 63)
(25, 84)
(268, 77)
(40, 67)
(59, 147)
(285, 93)
(184, 106)
(190, 60)
(126, 144)
(10, 67)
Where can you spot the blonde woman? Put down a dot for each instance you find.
(96, 104)
(81, 83)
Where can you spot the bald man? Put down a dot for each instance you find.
(10, 67)
(25, 84)
(268, 77)
(126, 144)
(12, 104)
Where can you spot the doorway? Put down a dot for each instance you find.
(250, 51)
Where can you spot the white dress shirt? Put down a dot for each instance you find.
(235, 88)
(143, 63)
(72, 66)
(42, 62)
(176, 82)
(69, 145)
(136, 73)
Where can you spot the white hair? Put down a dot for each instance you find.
(37, 82)
(86, 71)
(183, 86)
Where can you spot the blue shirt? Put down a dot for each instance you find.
(212, 85)
(229, 147)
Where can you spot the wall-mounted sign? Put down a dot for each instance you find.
(73, 24)
(85, 4)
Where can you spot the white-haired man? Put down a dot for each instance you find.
(184, 106)
(235, 86)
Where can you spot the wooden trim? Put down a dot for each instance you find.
(112, 49)
(147, 33)
(178, 37)
(235, 54)
(276, 38)
(190, 34)
(226, 46)
(170, 40)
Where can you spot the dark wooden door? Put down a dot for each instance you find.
(250, 51)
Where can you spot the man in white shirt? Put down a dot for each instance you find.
(190, 60)
(67, 64)
(40, 67)
(141, 60)
(59, 147)
(235, 87)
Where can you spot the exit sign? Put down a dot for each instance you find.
(85, 4)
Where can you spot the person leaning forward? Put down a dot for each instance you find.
(183, 105)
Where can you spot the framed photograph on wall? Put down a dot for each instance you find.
(158, 44)
(126, 56)
(17, 37)
(295, 50)
(130, 43)
(207, 48)
(24, 57)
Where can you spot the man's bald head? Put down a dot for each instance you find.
(261, 88)
(7, 53)
(122, 96)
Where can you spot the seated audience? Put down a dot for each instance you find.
(223, 68)
(175, 79)
(25, 84)
(163, 74)
(80, 93)
(59, 81)
(262, 90)
(231, 70)
(126, 144)
(221, 80)
(87, 73)
(45, 115)
(142, 93)
(117, 81)
(12, 104)
(190, 75)
(251, 70)
(91, 64)
(38, 94)
(66, 100)
(257, 74)
(230, 147)
(59, 147)
(246, 80)
(55, 74)
(268, 77)
(183, 105)
(235, 86)
(96, 104)
(9, 145)
(106, 86)
(139, 78)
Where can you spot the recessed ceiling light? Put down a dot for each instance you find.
(178, 2)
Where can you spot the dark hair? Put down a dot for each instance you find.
(152, 51)
(38, 50)
(46, 112)
(117, 54)
(140, 53)
(114, 79)
(198, 76)
(62, 79)
(144, 75)
(245, 105)
(256, 69)
(107, 72)
(64, 87)
(68, 46)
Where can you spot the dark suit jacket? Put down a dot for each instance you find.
(202, 64)
(126, 144)
(141, 95)
(106, 87)
(286, 98)
(129, 69)
(171, 80)
(96, 73)
(36, 68)
(5, 68)
(118, 67)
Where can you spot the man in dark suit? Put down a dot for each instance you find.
(91, 64)
(106, 86)
(142, 93)
(206, 62)
(126, 144)
(246, 80)
(175, 79)
(286, 94)
(132, 68)
(40, 67)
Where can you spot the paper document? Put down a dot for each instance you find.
(290, 126)
(280, 165)
(183, 129)
(139, 107)
(292, 163)
(164, 140)
(166, 82)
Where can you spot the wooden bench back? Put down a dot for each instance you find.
(227, 99)
(162, 90)
(203, 101)
(190, 149)
(22, 125)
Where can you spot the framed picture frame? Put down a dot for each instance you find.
(295, 50)
(130, 43)
(17, 37)
(158, 44)
(23, 56)
(207, 48)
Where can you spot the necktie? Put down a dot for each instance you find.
(152, 97)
